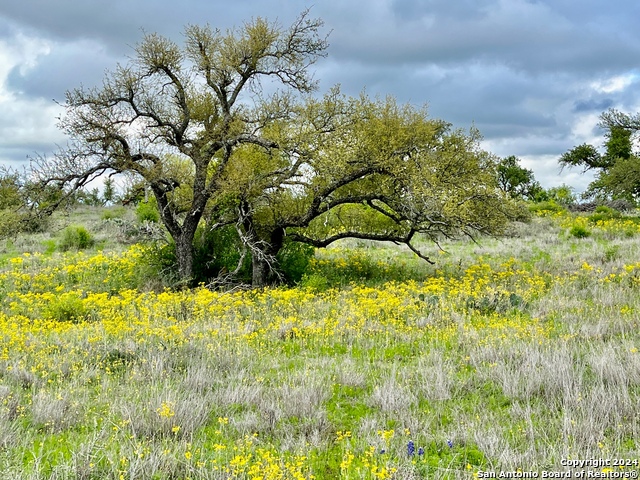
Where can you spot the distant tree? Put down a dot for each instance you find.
(614, 118)
(619, 145)
(585, 156)
(516, 180)
(618, 169)
(563, 195)
(134, 191)
(109, 192)
(195, 127)
(11, 194)
(19, 198)
(11, 198)
(89, 197)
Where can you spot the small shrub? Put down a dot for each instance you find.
(603, 213)
(111, 213)
(9, 223)
(293, 260)
(13, 223)
(611, 253)
(215, 252)
(522, 214)
(35, 223)
(598, 217)
(49, 246)
(314, 282)
(579, 231)
(546, 208)
(75, 237)
(499, 302)
(67, 307)
(608, 210)
(148, 211)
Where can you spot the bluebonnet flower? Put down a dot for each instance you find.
(450, 443)
(421, 451)
(411, 448)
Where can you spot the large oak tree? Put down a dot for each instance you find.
(224, 130)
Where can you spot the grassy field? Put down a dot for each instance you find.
(508, 355)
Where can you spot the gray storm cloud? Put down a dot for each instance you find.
(528, 74)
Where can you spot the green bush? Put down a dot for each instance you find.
(218, 251)
(523, 213)
(546, 208)
(293, 260)
(162, 262)
(608, 210)
(67, 307)
(75, 237)
(214, 252)
(579, 231)
(148, 211)
(9, 223)
(13, 223)
(34, 223)
(314, 281)
(49, 246)
(111, 213)
(603, 213)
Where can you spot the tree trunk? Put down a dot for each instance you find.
(263, 273)
(184, 253)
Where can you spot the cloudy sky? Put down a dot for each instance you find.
(532, 75)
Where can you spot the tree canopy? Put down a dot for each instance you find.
(618, 168)
(225, 131)
(517, 181)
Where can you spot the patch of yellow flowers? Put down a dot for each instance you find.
(52, 306)
(44, 298)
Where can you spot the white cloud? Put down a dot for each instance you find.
(26, 124)
(614, 84)
(22, 52)
(547, 171)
